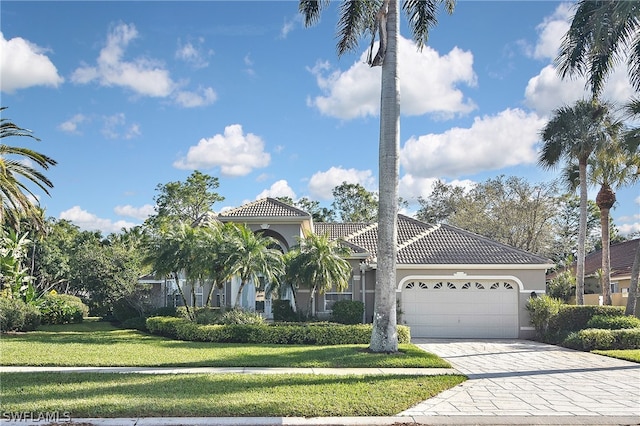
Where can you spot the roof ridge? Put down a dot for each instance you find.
(421, 235)
(361, 231)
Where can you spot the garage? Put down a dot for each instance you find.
(469, 308)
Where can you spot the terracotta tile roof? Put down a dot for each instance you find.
(621, 255)
(265, 207)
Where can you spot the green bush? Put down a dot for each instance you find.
(542, 310)
(208, 315)
(347, 312)
(166, 311)
(137, 323)
(16, 315)
(613, 323)
(123, 311)
(61, 309)
(239, 316)
(290, 334)
(282, 311)
(575, 318)
(563, 286)
(590, 339)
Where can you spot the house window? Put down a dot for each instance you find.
(615, 288)
(333, 296)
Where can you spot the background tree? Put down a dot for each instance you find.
(565, 227)
(441, 204)
(16, 199)
(317, 212)
(358, 18)
(353, 203)
(574, 133)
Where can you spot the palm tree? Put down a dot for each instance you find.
(611, 168)
(601, 34)
(573, 134)
(319, 264)
(218, 249)
(15, 196)
(252, 258)
(382, 16)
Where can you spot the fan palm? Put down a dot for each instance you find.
(574, 134)
(357, 18)
(15, 196)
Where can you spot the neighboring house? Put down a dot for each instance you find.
(450, 282)
(622, 256)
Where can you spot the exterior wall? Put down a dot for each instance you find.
(287, 231)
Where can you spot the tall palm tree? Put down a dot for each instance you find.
(573, 134)
(318, 263)
(218, 249)
(611, 168)
(16, 199)
(358, 18)
(252, 258)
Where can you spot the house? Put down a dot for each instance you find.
(622, 256)
(450, 282)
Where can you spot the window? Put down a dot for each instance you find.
(615, 288)
(333, 296)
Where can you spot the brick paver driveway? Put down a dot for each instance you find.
(525, 378)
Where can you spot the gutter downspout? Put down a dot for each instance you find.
(363, 288)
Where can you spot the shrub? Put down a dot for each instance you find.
(16, 315)
(137, 323)
(61, 309)
(347, 312)
(208, 316)
(167, 311)
(542, 310)
(122, 311)
(590, 339)
(613, 323)
(239, 316)
(575, 318)
(562, 286)
(282, 311)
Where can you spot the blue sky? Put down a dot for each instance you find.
(130, 95)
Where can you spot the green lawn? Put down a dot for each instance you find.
(626, 354)
(207, 395)
(100, 344)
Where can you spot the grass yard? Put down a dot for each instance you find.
(93, 344)
(626, 354)
(235, 395)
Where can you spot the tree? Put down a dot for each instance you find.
(16, 199)
(574, 133)
(356, 19)
(601, 34)
(353, 203)
(252, 258)
(565, 227)
(318, 213)
(611, 168)
(441, 204)
(319, 264)
(189, 202)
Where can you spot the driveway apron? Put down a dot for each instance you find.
(526, 378)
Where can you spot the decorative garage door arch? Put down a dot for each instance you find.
(460, 306)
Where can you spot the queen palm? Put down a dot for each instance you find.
(573, 134)
(15, 196)
(357, 18)
(318, 263)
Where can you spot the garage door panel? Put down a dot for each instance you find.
(459, 309)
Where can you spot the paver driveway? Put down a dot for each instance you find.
(525, 378)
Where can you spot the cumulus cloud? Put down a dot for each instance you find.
(143, 76)
(321, 184)
(193, 54)
(280, 188)
(71, 125)
(116, 127)
(24, 64)
(140, 213)
(551, 32)
(90, 222)
(234, 152)
(412, 187)
(458, 152)
(428, 84)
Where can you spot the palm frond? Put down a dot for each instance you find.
(422, 17)
(311, 10)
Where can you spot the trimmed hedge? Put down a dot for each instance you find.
(16, 315)
(286, 334)
(574, 318)
(62, 309)
(593, 338)
(613, 323)
(347, 311)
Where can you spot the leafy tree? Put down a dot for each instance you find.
(16, 199)
(353, 203)
(574, 134)
(189, 202)
(318, 263)
(565, 226)
(318, 213)
(441, 203)
(357, 18)
(15, 281)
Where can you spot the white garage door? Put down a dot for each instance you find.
(461, 308)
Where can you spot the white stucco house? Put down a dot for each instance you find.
(451, 283)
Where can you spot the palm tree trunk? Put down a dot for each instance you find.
(633, 285)
(384, 336)
(582, 232)
(239, 295)
(184, 299)
(606, 260)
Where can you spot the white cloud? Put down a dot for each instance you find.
(140, 213)
(551, 32)
(412, 187)
(234, 152)
(192, 54)
(90, 222)
(71, 125)
(280, 188)
(428, 84)
(116, 127)
(491, 143)
(203, 97)
(290, 24)
(24, 65)
(321, 184)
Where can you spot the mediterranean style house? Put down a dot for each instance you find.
(451, 283)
